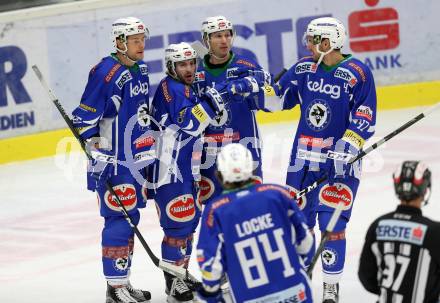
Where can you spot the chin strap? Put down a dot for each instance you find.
(427, 196)
(322, 53)
(124, 53)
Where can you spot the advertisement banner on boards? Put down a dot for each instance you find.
(395, 39)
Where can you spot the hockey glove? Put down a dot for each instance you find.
(262, 77)
(243, 87)
(343, 153)
(100, 168)
(214, 98)
(209, 297)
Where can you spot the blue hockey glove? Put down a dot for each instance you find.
(262, 77)
(215, 97)
(100, 168)
(209, 297)
(341, 168)
(243, 86)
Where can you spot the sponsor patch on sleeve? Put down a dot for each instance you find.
(112, 72)
(87, 108)
(165, 92)
(364, 112)
(353, 138)
(199, 112)
(245, 62)
(359, 70)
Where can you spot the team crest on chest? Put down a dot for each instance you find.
(221, 120)
(318, 115)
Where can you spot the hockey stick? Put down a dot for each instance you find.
(363, 153)
(167, 267)
(359, 156)
(329, 229)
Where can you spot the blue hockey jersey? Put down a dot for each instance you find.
(114, 107)
(238, 121)
(182, 117)
(255, 236)
(336, 102)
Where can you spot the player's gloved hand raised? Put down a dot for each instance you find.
(262, 77)
(243, 87)
(341, 168)
(209, 297)
(215, 96)
(100, 168)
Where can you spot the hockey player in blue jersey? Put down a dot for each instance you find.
(254, 234)
(337, 97)
(113, 118)
(182, 116)
(237, 121)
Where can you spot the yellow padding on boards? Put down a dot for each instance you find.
(45, 144)
(36, 145)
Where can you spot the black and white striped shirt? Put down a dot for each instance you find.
(400, 260)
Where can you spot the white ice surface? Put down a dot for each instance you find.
(50, 226)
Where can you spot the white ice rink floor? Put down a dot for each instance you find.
(50, 226)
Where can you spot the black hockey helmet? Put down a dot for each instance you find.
(412, 180)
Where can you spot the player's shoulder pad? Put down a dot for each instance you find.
(214, 205)
(167, 88)
(274, 188)
(304, 65)
(106, 69)
(358, 68)
(240, 60)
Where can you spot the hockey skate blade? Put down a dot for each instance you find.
(170, 299)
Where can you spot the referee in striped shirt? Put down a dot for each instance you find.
(400, 260)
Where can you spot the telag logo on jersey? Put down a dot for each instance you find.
(318, 115)
(347, 75)
(333, 90)
(402, 231)
(141, 88)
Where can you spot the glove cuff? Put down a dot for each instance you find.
(253, 84)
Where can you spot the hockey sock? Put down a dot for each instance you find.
(177, 250)
(333, 257)
(117, 248)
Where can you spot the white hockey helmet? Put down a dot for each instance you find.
(177, 53)
(327, 28)
(235, 163)
(124, 27)
(215, 24)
